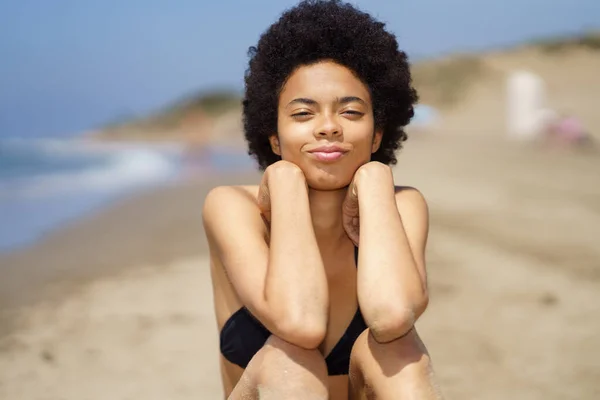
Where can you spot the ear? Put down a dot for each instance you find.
(274, 140)
(376, 141)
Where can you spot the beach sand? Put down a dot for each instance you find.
(119, 305)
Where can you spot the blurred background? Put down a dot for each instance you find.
(116, 118)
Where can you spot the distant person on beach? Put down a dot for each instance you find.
(566, 130)
(569, 130)
(319, 272)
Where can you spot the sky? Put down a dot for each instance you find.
(67, 66)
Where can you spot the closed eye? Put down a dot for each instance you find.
(301, 115)
(353, 113)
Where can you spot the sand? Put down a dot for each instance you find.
(119, 305)
(145, 335)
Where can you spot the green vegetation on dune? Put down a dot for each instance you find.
(195, 109)
(209, 104)
(203, 105)
(212, 103)
(589, 41)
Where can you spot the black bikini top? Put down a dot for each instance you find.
(243, 336)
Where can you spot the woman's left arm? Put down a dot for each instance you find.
(392, 280)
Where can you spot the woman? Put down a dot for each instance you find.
(319, 272)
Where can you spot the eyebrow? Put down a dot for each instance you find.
(302, 100)
(351, 99)
(311, 102)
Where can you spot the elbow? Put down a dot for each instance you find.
(421, 303)
(305, 334)
(392, 326)
(395, 322)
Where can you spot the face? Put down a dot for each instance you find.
(325, 124)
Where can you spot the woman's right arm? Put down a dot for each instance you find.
(283, 284)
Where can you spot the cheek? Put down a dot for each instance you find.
(292, 138)
(290, 148)
(363, 144)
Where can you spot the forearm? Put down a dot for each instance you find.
(390, 289)
(296, 284)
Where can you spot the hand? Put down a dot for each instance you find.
(369, 172)
(281, 170)
(350, 213)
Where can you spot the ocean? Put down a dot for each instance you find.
(45, 183)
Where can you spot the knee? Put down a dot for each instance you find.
(408, 346)
(283, 362)
(390, 356)
(281, 352)
(397, 369)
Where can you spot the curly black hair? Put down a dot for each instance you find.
(318, 30)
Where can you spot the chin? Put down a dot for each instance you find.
(324, 180)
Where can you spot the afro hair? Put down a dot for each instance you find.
(318, 30)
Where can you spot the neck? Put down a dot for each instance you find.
(326, 212)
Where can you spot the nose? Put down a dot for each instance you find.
(329, 127)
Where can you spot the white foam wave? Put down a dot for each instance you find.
(119, 168)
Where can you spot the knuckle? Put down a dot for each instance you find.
(374, 168)
(285, 167)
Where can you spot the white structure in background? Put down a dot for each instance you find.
(527, 112)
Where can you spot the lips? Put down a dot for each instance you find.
(328, 153)
(330, 156)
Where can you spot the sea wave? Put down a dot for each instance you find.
(49, 167)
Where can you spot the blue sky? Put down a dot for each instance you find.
(69, 65)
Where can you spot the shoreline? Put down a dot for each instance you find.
(70, 178)
(151, 227)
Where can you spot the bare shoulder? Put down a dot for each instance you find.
(227, 203)
(408, 197)
(230, 195)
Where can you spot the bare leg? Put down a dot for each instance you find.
(400, 369)
(281, 371)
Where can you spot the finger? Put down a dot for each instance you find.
(264, 198)
(355, 238)
(266, 217)
(351, 200)
(352, 191)
(351, 206)
(264, 203)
